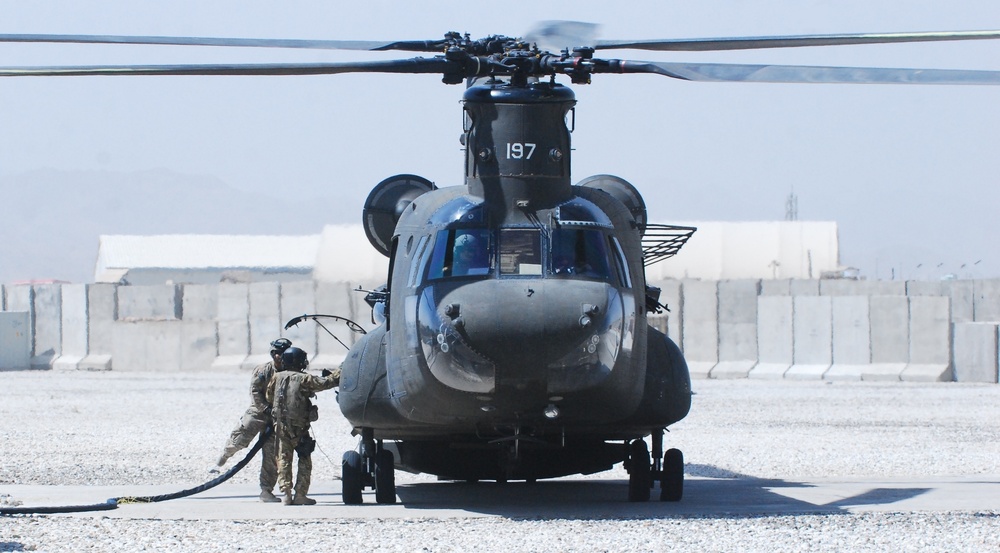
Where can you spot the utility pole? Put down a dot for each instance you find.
(792, 207)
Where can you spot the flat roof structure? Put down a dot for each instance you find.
(203, 257)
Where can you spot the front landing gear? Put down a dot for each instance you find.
(371, 466)
(640, 473)
(672, 476)
(644, 470)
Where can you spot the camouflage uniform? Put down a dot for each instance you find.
(254, 421)
(289, 392)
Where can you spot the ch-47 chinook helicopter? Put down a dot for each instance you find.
(513, 341)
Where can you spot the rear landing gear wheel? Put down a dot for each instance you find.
(672, 478)
(640, 477)
(352, 478)
(385, 478)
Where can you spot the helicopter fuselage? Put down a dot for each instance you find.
(516, 304)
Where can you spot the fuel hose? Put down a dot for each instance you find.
(114, 502)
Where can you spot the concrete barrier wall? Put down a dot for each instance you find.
(74, 327)
(264, 321)
(102, 314)
(46, 306)
(812, 337)
(852, 348)
(774, 336)
(15, 340)
(737, 314)
(700, 319)
(159, 302)
(670, 296)
(930, 340)
(986, 301)
(976, 352)
(801, 329)
(200, 302)
(233, 320)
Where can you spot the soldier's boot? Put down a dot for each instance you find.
(228, 452)
(267, 497)
(301, 499)
(287, 500)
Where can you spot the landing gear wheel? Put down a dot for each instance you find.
(352, 478)
(672, 478)
(385, 478)
(640, 477)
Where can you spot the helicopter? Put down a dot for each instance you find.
(512, 338)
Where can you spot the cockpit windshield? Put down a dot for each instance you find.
(574, 252)
(580, 252)
(460, 252)
(520, 251)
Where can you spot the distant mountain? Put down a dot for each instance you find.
(51, 220)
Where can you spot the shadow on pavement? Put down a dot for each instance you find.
(602, 499)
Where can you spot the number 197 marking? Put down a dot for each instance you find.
(520, 150)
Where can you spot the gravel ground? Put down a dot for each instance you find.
(79, 428)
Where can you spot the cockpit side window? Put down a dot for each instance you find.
(520, 251)
(622, 264)
(419, 258)
(579, 252)
(460, 252)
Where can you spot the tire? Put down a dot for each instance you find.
(385, 478)
(672, 479)
(640, 476)
(352, 478)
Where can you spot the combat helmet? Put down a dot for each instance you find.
(294, 359)
(280, 345)
(466, 241)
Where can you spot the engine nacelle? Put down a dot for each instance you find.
(386, 203)
(623, 191)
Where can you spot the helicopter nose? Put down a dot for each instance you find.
(527, 336)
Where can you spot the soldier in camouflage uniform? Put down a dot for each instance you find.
(289, 392)
(258, 418)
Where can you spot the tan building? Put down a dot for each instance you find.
(204, 258)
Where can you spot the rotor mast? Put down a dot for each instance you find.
(518, 145)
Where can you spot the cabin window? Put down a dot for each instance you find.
(580, 252)
(520, 251)
(460, 252)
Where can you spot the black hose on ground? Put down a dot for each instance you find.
(113, 503)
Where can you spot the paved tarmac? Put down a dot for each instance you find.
(562, 498)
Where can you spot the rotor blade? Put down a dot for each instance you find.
(761, 42)
(407, 45)
(415, 65)
(727, 72)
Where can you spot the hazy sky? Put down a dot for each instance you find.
(909, 173)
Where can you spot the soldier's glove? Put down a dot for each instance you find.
(326, 373)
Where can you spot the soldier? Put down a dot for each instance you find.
(258, 418)
(289, 392)
(469, 257)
